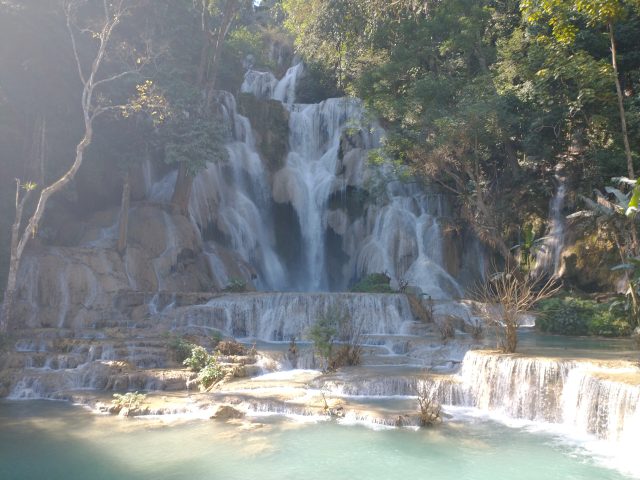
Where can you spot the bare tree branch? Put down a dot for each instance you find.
(506, 296)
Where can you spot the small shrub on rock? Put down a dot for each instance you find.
(198, 359)
(211, 373)
(129, 400)
(180, 348)
(347, 355)
(374, 283)
(335, 325)
(430, 411)
(205, 365)
(236, 285)
(231, 347)
(446, 328)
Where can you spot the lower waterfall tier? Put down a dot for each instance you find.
(283, 316)
(587, 397)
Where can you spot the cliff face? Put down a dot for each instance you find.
(76, 286)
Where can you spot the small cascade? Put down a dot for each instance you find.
(607, 408)
(548, 259)
(282, 316)
(285, 90)
(527, 388)
(162, 265)
(584, 397)
(56, 364)
(445, 389)
(405, 241)
(260, 84)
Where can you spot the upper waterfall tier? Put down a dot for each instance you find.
(235, 198)
(314, 171)
(346, 230)
(319, 217)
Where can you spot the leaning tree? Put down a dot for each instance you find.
(86, 33)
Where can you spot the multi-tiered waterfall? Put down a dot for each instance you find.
(300, 229)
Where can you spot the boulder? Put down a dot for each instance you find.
(227, 412)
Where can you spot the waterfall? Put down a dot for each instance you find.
(162, 265)
(282, 316)
(310, 177)
(585, 397)
(234, 197)
(406, 242)
(329, 143)
(261, 84)
(285, 90)
(324, 176)
(549, 257)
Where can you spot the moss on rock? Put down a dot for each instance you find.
(270, 122)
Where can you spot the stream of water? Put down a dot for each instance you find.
(69, 443)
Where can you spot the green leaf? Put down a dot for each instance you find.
(632, 208)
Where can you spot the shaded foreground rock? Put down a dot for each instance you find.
(227, 412)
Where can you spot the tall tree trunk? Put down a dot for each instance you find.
(113, 14)
(623, 120)
(14, 261)
(42, 152)
(206, 47)
(182, 190)
(228, 15)
(124, 215)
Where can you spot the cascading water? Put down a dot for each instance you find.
(329, 145)
(235, 198)
(282, 316)
(406, 242)
(325, 169)
(310, 175)
(584, 397)
(548, 259)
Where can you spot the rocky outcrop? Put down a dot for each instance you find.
(75, 286)
(227, 412)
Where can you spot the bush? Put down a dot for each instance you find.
(207, 367)
(180, 348)
(198, 359)
(429, 408)
(335, 325)
(211, 373)
(236, 285)
(419, 310)
(323, 333)
(576, 316)
(374, 283)
(446, 328)
(130, 400)
(347, 355)
(231, 347)
(514, 293)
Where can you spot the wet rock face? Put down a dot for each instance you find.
(74, 287)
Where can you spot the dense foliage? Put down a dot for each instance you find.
(189, 59)
(486, 97)
(576, 316)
